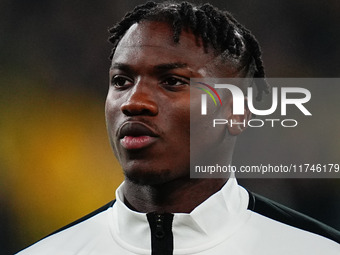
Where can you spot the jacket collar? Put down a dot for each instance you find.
(210, 223)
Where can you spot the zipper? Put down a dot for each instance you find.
(159, 233)
(162, 242)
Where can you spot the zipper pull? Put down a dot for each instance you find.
(162, 241)
(159, 233)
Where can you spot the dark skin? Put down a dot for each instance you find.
(148, 118)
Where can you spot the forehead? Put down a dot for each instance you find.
(153, 42)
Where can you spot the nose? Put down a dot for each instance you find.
(141, 101)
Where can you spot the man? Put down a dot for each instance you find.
(158, 209)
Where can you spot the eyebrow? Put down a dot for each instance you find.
(121, 66)
(170, 66)
(159, 68)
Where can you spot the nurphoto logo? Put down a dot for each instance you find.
(301, 97)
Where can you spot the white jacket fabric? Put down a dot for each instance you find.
(232, 221)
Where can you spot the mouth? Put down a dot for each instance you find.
(136, 135)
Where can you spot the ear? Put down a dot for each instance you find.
(238, 123)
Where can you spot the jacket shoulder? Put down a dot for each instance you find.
(48, 242)
(286, 215)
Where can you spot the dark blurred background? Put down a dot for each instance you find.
(56, 164)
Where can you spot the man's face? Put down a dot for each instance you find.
(148, 103)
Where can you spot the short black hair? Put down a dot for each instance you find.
(217, 28)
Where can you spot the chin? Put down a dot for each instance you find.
(149, 177)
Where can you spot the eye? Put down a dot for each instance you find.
(174, 82)
(120, 81)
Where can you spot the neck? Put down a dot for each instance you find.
(179, 196)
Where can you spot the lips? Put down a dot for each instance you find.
(136, 135)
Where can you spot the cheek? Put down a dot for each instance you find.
(111, 115)
(107, 110)
(112, 110)
(181, 112)
(112, 107)
(180, 117)
(110, 119)
(174, 117)
(108, 113)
